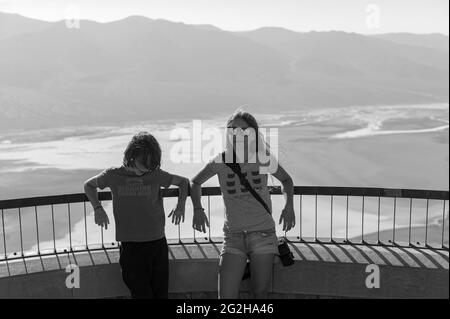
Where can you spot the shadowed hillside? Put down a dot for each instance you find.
(138, 68)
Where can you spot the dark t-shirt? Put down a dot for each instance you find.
(137, 203)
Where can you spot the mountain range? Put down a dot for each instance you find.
(143, 69)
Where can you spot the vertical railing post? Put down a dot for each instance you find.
(85, 226)
(209, 217)
(4, 234)
(195, 238)
(37, 230)
(410, 221)
(53, 227)
(4, 243)
(426, 223)
(443, 225)
(346, 220)
(379, 220)
(331, 222)
(70, 228)
(101, 232)
(21, 233)
(21, 242)
(363, 215)
(316, 219)
(395, 220)
(301, 218)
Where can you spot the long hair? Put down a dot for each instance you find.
(245, 116)
(143, 146)
(252, 123)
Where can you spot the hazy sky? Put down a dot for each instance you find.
(417, 16)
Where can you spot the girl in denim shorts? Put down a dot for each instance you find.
(249, 230)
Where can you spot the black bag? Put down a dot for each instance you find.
(285, 254)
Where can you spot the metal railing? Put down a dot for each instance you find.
(356, 216)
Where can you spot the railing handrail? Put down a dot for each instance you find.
(215, 191)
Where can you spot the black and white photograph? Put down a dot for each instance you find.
(224, 157)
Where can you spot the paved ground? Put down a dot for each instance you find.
(332, 253)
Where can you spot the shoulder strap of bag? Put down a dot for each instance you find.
(236, 168)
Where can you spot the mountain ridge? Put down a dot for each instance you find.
(141, 68)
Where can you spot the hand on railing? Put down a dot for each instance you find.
(200, 220)
(287, 218)
(101, 218)
(177, 215)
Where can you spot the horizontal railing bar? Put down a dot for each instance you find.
(215, 191)
(371, 192)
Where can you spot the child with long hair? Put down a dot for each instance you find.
(249, 229)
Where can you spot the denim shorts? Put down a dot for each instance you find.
(247, 243)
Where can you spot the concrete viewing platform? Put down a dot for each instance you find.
(320, 271)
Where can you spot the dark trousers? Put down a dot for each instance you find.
(145, 268)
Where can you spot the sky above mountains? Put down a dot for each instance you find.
(360, 16)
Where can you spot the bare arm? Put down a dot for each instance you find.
(288, 185)
(183, 185)
(196, 196)
(288, 214)
(200, 219)
(90, 189)
(196, 186)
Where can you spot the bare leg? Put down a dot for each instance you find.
(261, 266)
(231, 270)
